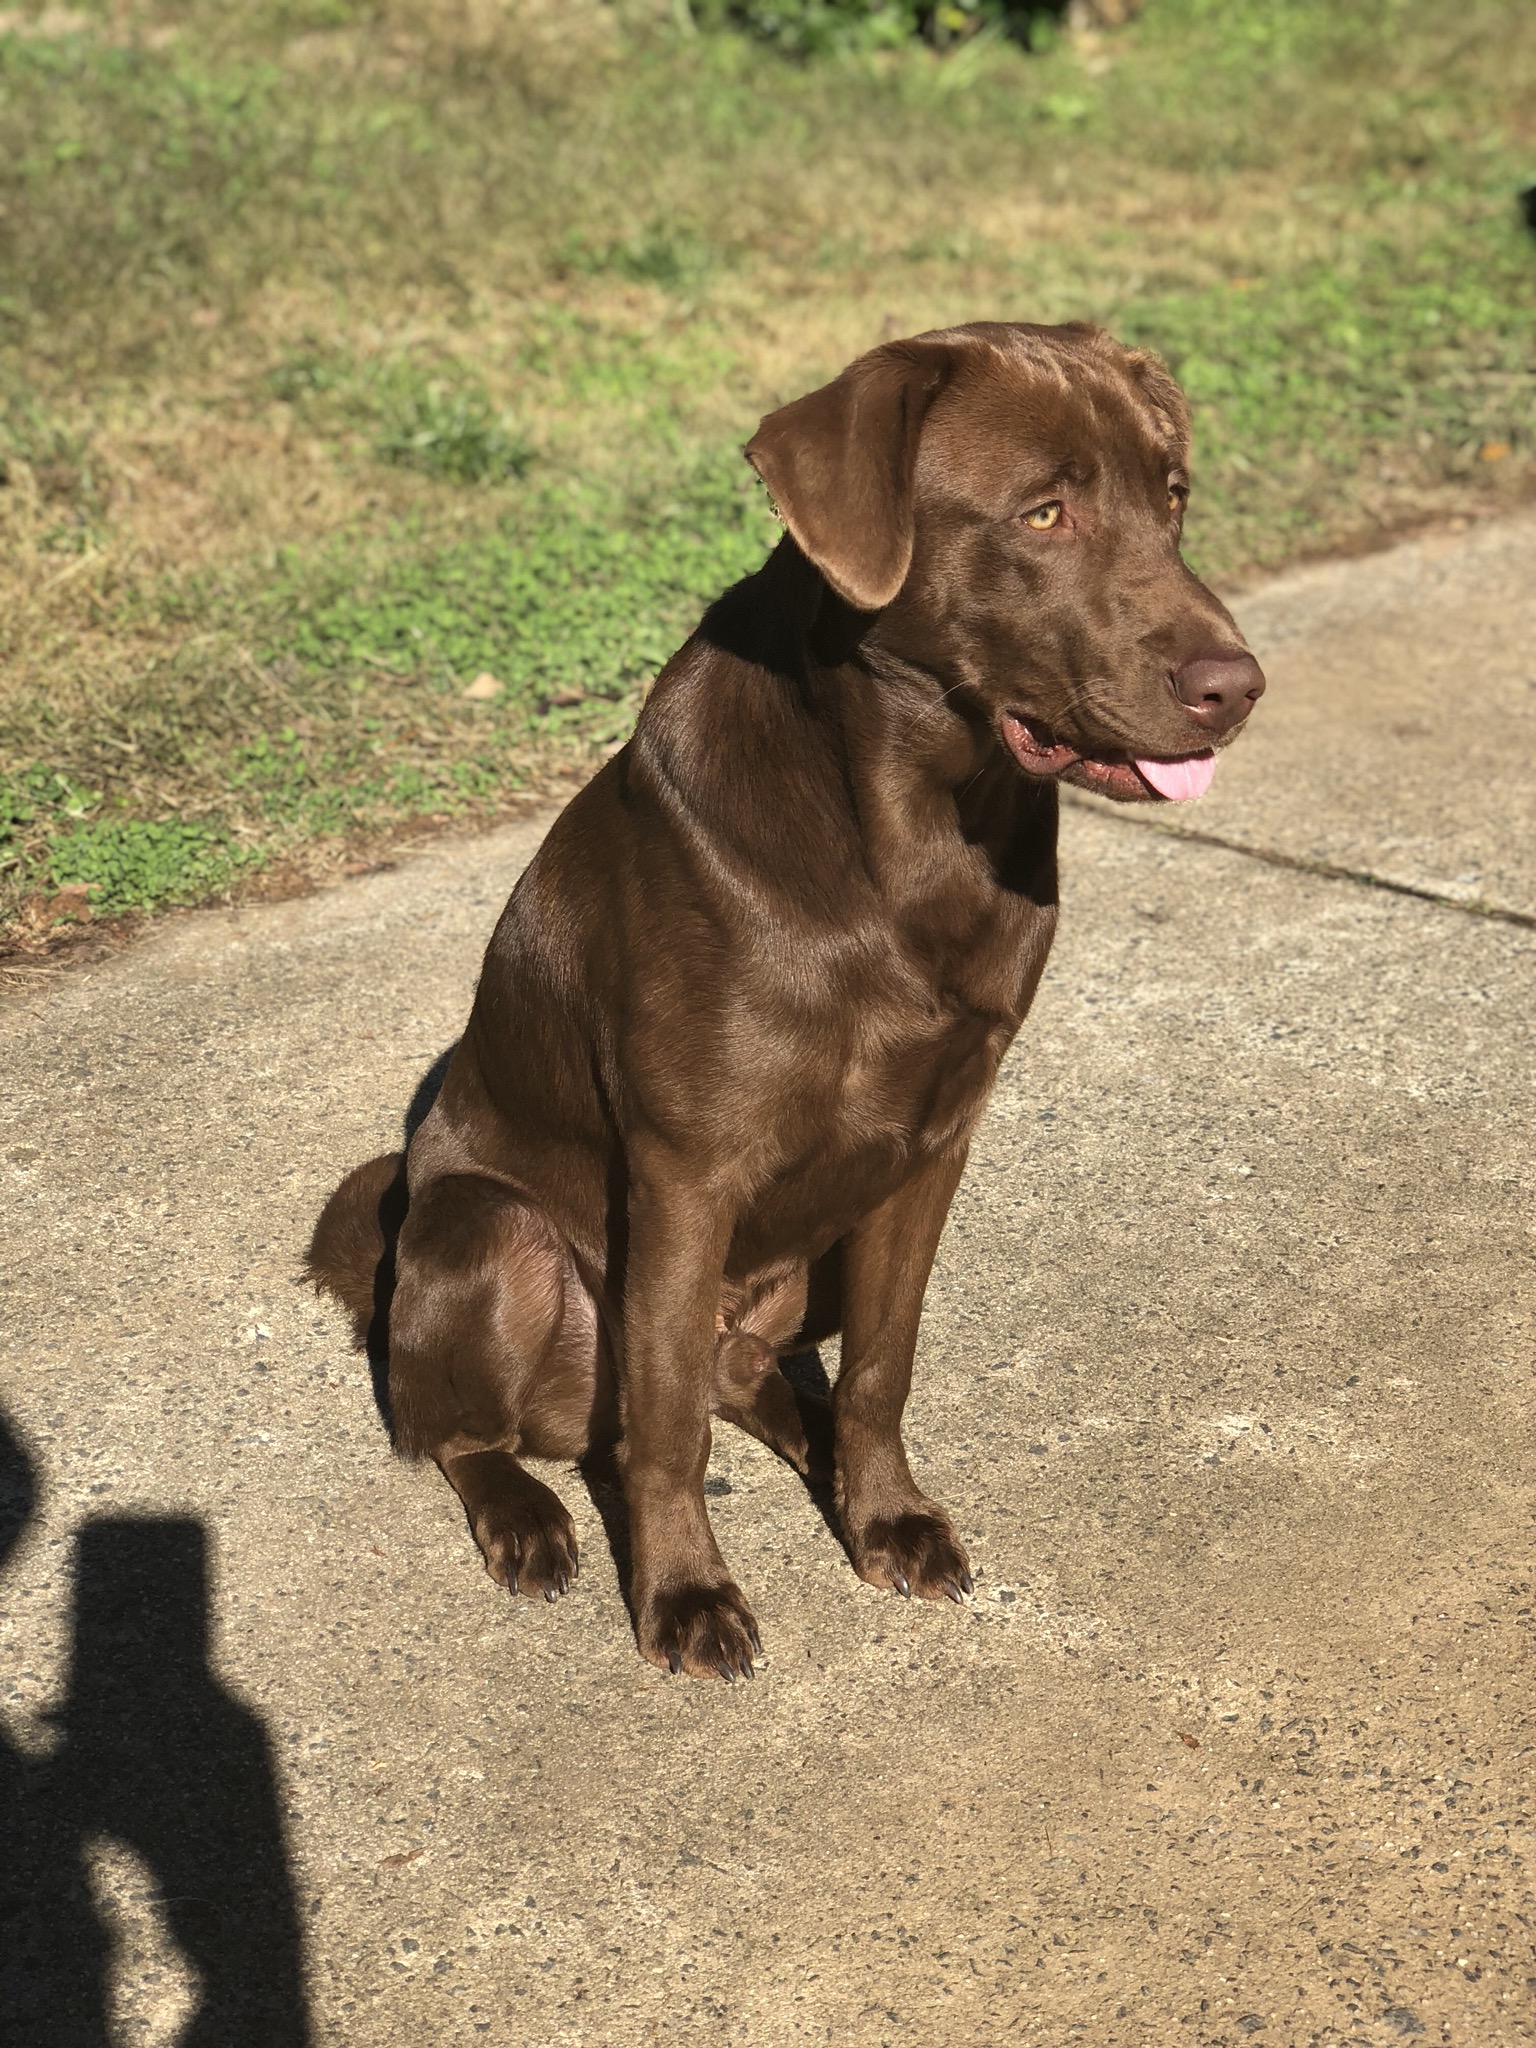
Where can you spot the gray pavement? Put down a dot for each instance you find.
(1227, 1376)
(1399, 734)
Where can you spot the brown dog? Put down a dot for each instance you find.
(742, 1012)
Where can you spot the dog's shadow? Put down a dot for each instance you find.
(426, 1092)
(599, 1470)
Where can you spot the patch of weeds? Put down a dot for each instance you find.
(1067, 109)
(374, 774)
(1310, 371)
(952, 245)
(134, 864)
(274, 768)
(452, 432)
(580, 601)
(55, 465)
(439, 422)
(578, 365)
(315, 374)
(34, 803)
(673, 258)
(50, 839)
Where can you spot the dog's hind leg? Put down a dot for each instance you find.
(493, 1353)
(524, 1533)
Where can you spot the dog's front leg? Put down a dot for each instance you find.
(689, 1615)
(895, 1534)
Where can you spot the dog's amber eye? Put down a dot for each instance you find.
(1178, 497)
(1044, 517)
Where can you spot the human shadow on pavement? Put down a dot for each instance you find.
(152, 1753)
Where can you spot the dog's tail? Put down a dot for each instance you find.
(352, 1253)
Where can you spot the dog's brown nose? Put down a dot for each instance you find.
(1219, 689)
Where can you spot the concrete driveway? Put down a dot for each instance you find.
(1227, 1376)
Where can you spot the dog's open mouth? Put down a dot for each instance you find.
(1038, 752)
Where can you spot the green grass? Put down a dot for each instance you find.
(350, 354)
(438, 420)
(585, 604)
(135, 864)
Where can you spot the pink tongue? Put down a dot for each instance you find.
(1179, 780)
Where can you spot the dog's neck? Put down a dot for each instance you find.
(929, 773)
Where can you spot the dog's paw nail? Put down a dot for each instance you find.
(550, 1594)
(674, 1662)
(749, 1669)
(756, 1641)
(899, 1581)
(953, 1592)
(967, 1585)
(726, 1672)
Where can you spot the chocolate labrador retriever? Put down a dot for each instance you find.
(743, 1010)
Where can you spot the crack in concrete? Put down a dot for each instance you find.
(1305, 864)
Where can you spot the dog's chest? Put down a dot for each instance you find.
(897, 1068)
(915, 1083)
(862, 1123)
(878, 1083)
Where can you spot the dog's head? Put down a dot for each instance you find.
(1010, 500)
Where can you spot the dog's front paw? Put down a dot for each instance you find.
(916, 1552)
(707, 1631)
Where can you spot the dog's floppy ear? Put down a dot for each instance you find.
(839, 464)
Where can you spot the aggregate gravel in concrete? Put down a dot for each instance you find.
(1226, 1376)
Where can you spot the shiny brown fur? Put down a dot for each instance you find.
(743, 1010)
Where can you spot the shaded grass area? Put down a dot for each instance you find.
(371, 378)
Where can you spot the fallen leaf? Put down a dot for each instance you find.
(1189, 1741)
(73, 900)
(483, 688)
(399, 1862)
